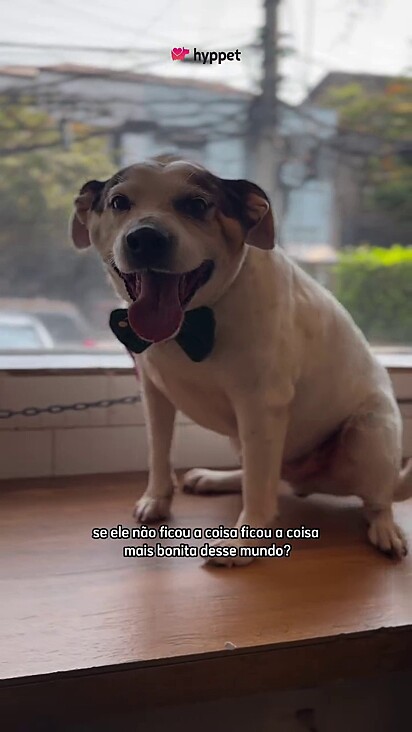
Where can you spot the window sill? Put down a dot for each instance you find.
(88, 634)
(398, 360)
(65, 363)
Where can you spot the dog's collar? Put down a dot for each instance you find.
(196, 337)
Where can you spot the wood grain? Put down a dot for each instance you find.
(78, 617)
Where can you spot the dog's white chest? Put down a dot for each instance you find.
(190, 387)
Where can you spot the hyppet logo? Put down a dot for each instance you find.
(212, 56)
(178, 54)
(205, 57)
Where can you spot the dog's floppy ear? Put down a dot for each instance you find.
(87, 198)
(250, 205)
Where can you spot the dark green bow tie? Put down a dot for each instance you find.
(196, 336)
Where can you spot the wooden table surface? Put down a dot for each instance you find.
(74, 613)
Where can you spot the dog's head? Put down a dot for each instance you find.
(172, 236)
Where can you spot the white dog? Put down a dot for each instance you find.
(242, 341)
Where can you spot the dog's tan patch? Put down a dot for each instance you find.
(231, 230)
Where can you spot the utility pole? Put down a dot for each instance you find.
(270, 59)
(308, 44)
(266, 143)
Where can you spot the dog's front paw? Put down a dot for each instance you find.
(149, 509)
(227, 553)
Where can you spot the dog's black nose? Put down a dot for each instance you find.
(147, 241)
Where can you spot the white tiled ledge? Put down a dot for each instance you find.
(108, 439)
(39, 389)
(87, 450)
(18, 391)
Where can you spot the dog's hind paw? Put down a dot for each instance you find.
(148, 509)
(300, 492)
(387, 536)
(202, 480)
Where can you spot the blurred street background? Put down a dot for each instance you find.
(317, 109)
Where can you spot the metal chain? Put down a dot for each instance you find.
(58, 408)
(82, 406)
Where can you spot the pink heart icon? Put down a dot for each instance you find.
(178, 54)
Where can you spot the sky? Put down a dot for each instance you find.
(372, 36)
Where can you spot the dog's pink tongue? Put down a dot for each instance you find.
(157, 314)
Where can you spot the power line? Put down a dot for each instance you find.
(95, 106)
(64, 78)
(67, 47)
(75, 11)
(354, 10)
(23, 149)
(159, 16)
(67, 77)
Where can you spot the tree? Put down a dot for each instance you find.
(41, 172)
(384, 122)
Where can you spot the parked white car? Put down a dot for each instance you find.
(23, 333)
(64, 323)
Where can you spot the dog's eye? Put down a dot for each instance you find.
(195, 207)
(120, 203)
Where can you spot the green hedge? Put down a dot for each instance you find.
(375, 285)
